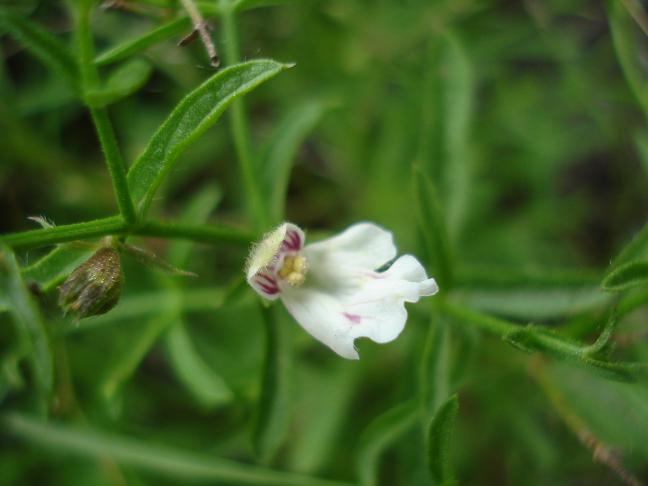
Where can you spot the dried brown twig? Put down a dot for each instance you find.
(201, 28)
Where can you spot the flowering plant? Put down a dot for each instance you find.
(334, 289)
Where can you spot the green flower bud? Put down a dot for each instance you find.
(94, 287)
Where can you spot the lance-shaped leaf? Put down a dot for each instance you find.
(379, 435)
(280, 154)
(439, 435)
(124, 81)
(274, 406)
(29, 323)
(138, 44)
(433, 227)
(41, 44)
(630, 45)
(189, 120)
(626, 276)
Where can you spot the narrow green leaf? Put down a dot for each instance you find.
(379, 435)
(279, 157)
(435, 367)
(127, 362)
(30, 325)
(203, 382)
(458, 92)
(628, 275)
(52, 269)
(138, 44)
(147, 456)
(439, 436)
(630, 45)
(42, 44)
(123, 82)
(531, 338)
(189, 120)
(432, 224)
(241, 5)
(274, 405)
(207, 387)
(198, 211)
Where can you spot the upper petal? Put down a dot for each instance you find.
(363, 245)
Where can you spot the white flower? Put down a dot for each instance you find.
(332, 287)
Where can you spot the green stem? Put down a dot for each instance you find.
(61, 234)
(105, 132)
(115, 225)
(194, 232)
(116, 165)
(493, 325)
(238, 123)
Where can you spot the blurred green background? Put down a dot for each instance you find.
(525, 124)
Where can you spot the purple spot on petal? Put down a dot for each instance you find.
(354, 318)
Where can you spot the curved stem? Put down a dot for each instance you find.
(240, 131)
(105, 132)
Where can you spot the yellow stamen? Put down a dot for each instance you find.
(294, 270)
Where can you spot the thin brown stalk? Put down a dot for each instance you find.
(600, 451)
(202, 28)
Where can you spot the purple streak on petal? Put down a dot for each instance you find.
(354, 318)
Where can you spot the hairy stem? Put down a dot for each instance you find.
(105, 132)
(115, 225)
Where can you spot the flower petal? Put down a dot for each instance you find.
(372, 305)
(363, 245)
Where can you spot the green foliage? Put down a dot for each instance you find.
(192, 117)
(504, 146)
(626, 276)
(439, 438)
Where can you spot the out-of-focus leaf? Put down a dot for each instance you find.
(189, 120)
(138, 44)
(279, 156)
(594, 399)
(197, 211)
(128, 360)
(320, 414)
(641, 141)
(202, 381)
(631, 49)
(30, 325)
(435, 367)
(124, 81)
(379, 435)
(432, 224)
(240, 5)
(628, 275)
(42, 44)
(162, 460)
(439, 436)
(459, 90)
(207, 387)
(274, 405)
(52, 269)
(528, 303)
